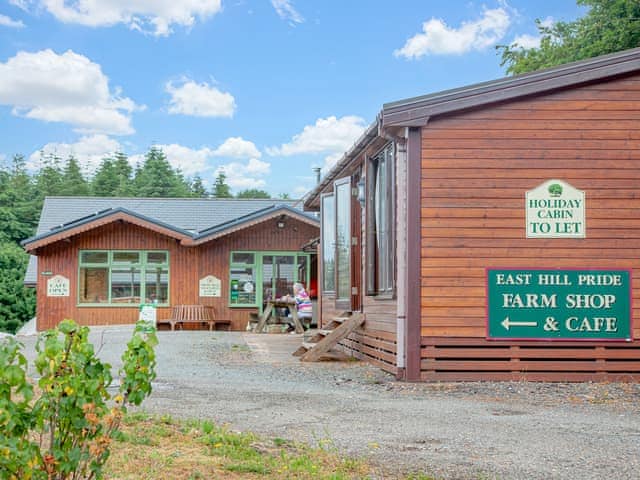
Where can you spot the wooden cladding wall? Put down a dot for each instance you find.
(476, 168)
(187, 266)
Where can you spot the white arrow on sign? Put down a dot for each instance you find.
(506, 323)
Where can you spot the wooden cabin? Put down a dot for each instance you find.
(96, 260)
(492, 232)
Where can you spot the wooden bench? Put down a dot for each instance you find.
(198, 314)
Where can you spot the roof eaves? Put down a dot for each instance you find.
(98, 216)
(414, 111)
(234, 225)
(365, 139)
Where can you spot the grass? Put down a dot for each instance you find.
(151, 447)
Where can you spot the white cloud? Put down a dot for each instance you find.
(299, 191)
(66, 88)
(241, 176)
(527, 41)
(200, 100)
(330, 161)
(237, 147)
(190, 161)
(328, 135)
(22, 4)
(199, 161)
(439, 39)
(286, 11)
(149, 16)
(89, 151)
(10, 22)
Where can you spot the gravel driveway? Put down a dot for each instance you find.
(453, 431)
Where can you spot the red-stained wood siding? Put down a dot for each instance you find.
(187, 266)
(476, 168)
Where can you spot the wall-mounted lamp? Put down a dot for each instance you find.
(280, 223)
(361, 192)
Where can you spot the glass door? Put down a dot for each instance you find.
(343, 242)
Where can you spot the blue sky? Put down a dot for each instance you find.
(265, 89)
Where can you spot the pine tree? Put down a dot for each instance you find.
(17, 303)
(19, 204)
(253, 193)
(156, 178)
(73, 182)
(105, 180)
(197, 187)
(220, 187)
(123, 173)
(49, 178)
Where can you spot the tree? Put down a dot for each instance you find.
(73, 182)
(156, 178)
(49, 178)
(17, 302)
(123, 171)
(113, 178)
(197, 188)
(284, 196)
(19, 204)
(253, 193)
(608, 26)
(220, 187)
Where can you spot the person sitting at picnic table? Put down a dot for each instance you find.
(303, 303)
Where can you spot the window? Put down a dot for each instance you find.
(343, 239)
(242, 279)
(117, 277)
(255, 277)
(381, 223)
(328, 244)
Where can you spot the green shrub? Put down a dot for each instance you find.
(63, 429)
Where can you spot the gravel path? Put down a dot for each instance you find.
(452, 431)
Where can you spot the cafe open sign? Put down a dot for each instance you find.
(559, 304)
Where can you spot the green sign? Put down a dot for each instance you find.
(559, 304)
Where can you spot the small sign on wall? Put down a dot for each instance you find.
(148, 313)
(58, 286)
(555, 209)
(210, 286)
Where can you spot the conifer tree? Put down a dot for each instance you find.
(220, 187)
(73, 182)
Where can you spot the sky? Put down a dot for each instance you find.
(264, 89)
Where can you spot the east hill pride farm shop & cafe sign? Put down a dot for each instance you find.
(558, 304)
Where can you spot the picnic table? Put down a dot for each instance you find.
(279, 303)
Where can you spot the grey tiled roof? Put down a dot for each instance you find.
(193, 214)
(190, 214)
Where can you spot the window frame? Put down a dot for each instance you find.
(373, 256)
(257, 265)
(345, 301)
(110, 264)
(324, 238)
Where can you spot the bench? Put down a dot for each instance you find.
(198, 314)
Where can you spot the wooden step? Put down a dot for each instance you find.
(315, 351)
(324, 332)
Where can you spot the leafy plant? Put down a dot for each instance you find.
(63, 429)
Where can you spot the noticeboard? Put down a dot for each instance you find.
(559, 304)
